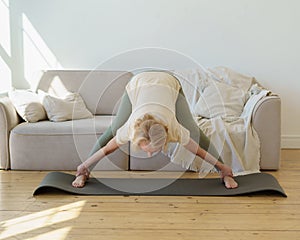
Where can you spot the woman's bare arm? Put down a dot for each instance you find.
(196, 149)
(110, 147)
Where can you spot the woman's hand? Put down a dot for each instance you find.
(82, 170)
(227, 176)
(225, 171)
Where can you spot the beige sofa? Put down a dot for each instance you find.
(46, 145)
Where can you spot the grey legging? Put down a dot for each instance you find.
(183, 116)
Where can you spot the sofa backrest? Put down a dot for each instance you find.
(101, 90)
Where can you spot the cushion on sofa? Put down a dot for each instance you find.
(27, 105)
(100, 90)
(223, 93)
(70, 107)
(64, 145)
(219, 99)
(232, 77)
(96, 125)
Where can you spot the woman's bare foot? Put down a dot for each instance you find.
(79, 182)
(230, 182)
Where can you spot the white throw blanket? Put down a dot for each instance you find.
(231, 132)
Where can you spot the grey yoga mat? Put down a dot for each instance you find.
(248, 184)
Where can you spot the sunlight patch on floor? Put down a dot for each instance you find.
(34, 221)
(59, 234)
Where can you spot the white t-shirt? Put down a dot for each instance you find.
(154, 93)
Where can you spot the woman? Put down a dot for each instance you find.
(153, 113)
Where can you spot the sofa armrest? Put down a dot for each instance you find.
(266, 120)
(8, 120)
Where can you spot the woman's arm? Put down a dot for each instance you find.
(196, 149)
(110, 147)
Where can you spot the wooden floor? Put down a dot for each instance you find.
(60, 216)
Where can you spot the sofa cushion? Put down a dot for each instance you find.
(70, 107)
(100, 90)
(224, 93)
(233, 78)
(96, 125)
(219, 99)
(49, 145)
(27, 105)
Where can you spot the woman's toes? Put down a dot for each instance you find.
(230, 182)
(79, 181)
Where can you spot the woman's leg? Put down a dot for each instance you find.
(122, 116)
(185, 118)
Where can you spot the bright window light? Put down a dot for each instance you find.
(5, 76)
(57, 87)
(37, 55)
(5, 26)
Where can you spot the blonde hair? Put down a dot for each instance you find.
(150, 129)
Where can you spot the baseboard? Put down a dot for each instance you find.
(290, 141)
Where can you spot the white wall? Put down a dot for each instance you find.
(256, 37)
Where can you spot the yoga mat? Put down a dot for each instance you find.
(248, 184)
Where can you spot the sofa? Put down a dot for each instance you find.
(47, 145)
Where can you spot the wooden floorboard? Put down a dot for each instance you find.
(61, 216)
